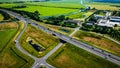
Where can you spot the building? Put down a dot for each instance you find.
(111, 22)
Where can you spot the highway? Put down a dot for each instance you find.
(108, 56)
(92, 49)
(43, 59)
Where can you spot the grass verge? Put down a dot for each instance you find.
(73, 57)
(45, 40)
(98, 41)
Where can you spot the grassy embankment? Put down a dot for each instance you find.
(42, 38)
(10, 56)
(1, 17)
(73, 57)
(98, 41)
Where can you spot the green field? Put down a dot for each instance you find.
(81, 15)
(98, 41)
(7, 31)
(48, 11)
(5, 36)
(48, 8)
(42, 38)
(70, 56)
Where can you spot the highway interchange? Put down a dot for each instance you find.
(42, 61)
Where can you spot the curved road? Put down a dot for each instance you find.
(108, 56)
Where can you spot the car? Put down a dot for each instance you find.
(15, 41)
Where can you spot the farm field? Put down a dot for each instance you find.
(45, 40)
(71, 56)
(48, 11)
(98, 41)
(47, 8)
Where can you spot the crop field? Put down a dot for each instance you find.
(45, 40)
(10, 56)
(48, 8)
(98, 41)
(1, 17)
(71, 56)
(48, 11)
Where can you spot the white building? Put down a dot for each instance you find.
(111, 22)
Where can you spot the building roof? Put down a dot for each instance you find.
(108, 25)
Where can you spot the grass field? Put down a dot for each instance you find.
(5, 36)
(98, 41)
(70, 56)
(7, 31)
(10, 56)
(48, 8)
(8, 25)
(1, 17)
(48, 11)
(81, 15)
(46, 40)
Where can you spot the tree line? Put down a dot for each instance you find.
(115, 13)
(6, 16)
(103, 30)
(60, 21)
(19, 6)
